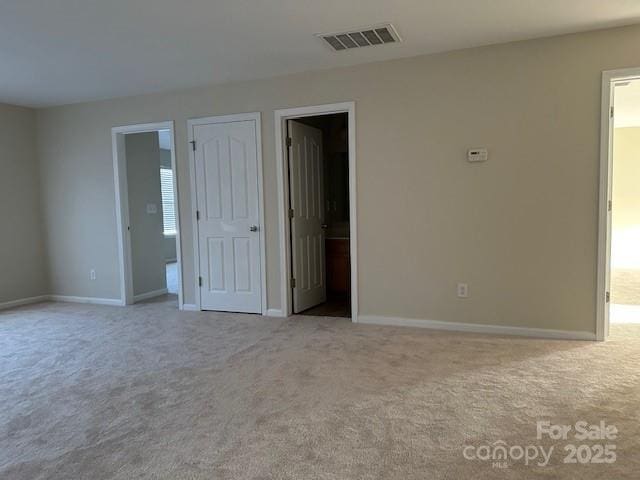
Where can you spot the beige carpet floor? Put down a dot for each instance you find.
(146, 392)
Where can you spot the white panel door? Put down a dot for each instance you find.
(227, 197)
(307, 203)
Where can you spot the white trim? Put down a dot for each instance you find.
(604, 217)
(190, 307)
(23, 301)
(92, 300)
(281, 116)
(122, 205)
(237, 117)
(274, 312)
(148, 295)
(122, 213)
(194, 220)
(478, 328)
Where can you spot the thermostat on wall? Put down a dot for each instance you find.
(477, 155)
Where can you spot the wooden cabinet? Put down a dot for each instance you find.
(338, 267)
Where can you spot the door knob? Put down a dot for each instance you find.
(324, 226)
(253, 228)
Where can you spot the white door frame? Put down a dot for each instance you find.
(609, 78)
(239, 117)
(122, 205)
(281, 117)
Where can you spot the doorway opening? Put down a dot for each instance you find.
(618, 295)
(147, 207)
(625, 202)
(318, 194)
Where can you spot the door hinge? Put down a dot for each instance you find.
(293, 283)
(288, 141)
(193, 145)
(609, 205)
(199, 281)
(197, 214)
(611, 112)
(291, 212)
(607, 297)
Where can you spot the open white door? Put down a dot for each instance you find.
(227, 196)
(307, 218)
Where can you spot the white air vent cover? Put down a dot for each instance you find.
(361, 37)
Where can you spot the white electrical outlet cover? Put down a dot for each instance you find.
(463, 290)
(152, 208)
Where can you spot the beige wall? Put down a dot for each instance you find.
(625, 218)
(626, 178)
(169, 249)
(23, 271)
(520, 229)
(147, 240)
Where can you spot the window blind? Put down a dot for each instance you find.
(168, 207)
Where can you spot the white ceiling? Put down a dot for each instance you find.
(627, 105)
(64, 51)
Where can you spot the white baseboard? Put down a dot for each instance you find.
(478, 328)
(148, 295)
(91, 300)
(23, 301)
(271, 312)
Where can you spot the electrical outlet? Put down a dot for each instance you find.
(463, 290)
(92, 274)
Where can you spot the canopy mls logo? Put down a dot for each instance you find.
(501, 454)
(598, 450)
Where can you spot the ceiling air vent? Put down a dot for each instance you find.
(361, 37)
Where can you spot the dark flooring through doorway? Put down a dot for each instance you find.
(333, 307)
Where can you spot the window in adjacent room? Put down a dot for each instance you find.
(168, 207)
